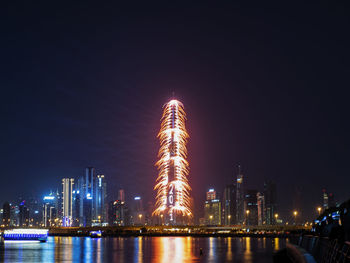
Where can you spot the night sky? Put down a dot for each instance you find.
(263, 86)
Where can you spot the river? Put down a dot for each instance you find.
(143, 249)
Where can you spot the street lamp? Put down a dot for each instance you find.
(247, 219)
(276, 217)
(140, 217)
(229, 219)
(295, 213)
(210, 217)
(319, 210)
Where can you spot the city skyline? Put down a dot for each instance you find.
(86, 203)
(87, 91)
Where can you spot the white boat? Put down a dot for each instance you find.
(25, 234)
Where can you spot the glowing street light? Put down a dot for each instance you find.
(140, 217)
(229, 219)
(247, 219)
(295, 213)
(276, 217)
(319, 209)
(211, 218)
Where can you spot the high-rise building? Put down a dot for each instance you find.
(14, 218)
(325, 199)
(86, 191)
(121, 195)
(99, 198)
(251, 207)
(229, 205)
(240, 216)
(270, 194)
(49, 211)
(331, 200)
(138, 212)
(67, 201)
(76, 205)
(261, 208)
(59, 206)
(90, 197)
(212, 212)
(211, 194)
(6, 214)
(118, 213)
(173, 191)
(35, 216)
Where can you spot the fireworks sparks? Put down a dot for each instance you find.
(173, 190)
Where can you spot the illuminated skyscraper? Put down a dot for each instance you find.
(211, 194)
(229, 204)
(86, 190)
(325, 199)
(121, 195)
(138, 212)
(99, 199)
(240, 215)
(67, 201)
(212, 209)
(251, 207)
(49, 211)
(173, 190)
(261, 208)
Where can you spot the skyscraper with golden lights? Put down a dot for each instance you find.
(173, 205)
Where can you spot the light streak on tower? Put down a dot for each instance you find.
(173, 190)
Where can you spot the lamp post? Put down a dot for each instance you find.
(276, 217)
(140, 217)
(247, 219)
(229, 219)
(295, 213)
(210, 217)
(319, 209)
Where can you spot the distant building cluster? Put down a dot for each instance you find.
(79, 202)
(239, 205)
(83, 202)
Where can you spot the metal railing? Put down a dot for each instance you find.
(323, 249)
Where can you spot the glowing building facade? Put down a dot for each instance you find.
(173, 191)
(67, 201)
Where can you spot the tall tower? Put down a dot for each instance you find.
(239, 198)
(99, 200)
(67, 201)
(173, 191)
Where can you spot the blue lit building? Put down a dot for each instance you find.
(49, 213)
(86, 190)
(99, 210)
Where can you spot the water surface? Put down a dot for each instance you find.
(143, 249)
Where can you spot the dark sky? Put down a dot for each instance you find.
(263, 86)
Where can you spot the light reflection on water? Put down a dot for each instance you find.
(143, 249)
